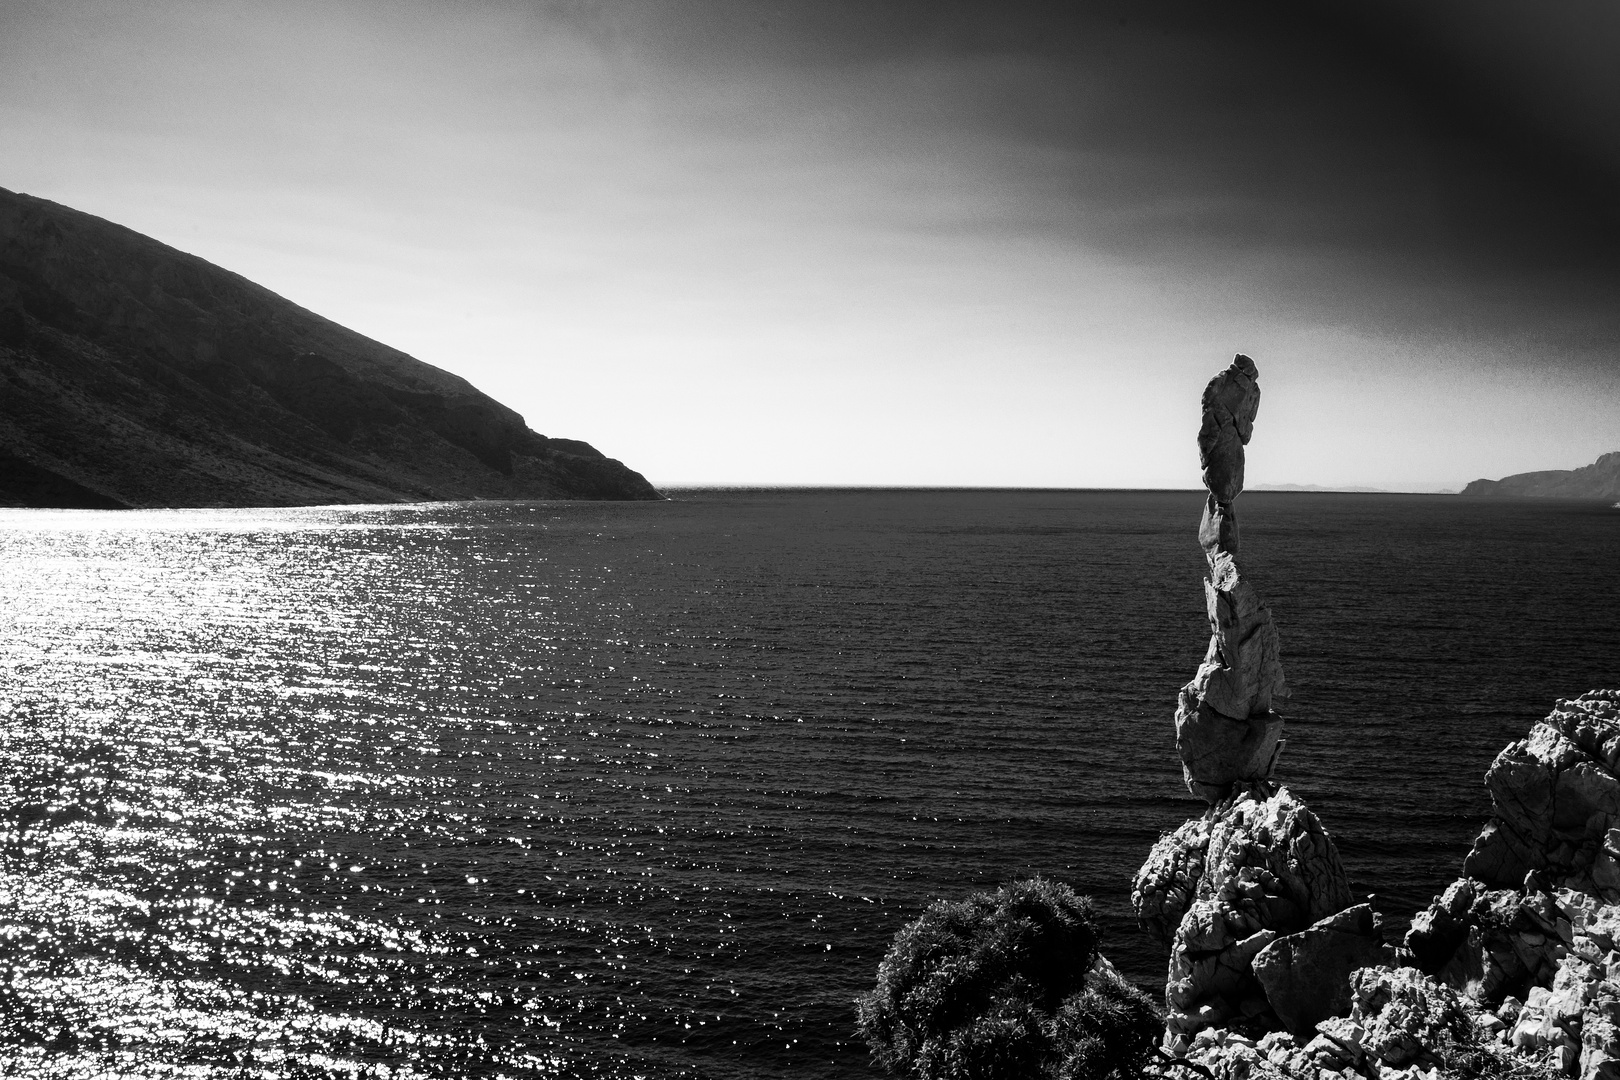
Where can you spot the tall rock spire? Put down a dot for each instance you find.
(1234, 891)
(1226, 731)
(1275, 971)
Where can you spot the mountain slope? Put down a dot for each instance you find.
(1599, 480)
(133, 374)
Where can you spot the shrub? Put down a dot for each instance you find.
(1005, 986)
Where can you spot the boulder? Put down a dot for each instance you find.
(1440, 930)
(1210, 961)
(1268, 853)
(1555, 797)
(1218, 751)
(1306, 976)
(1490, 943)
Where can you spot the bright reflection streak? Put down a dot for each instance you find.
(217, 520)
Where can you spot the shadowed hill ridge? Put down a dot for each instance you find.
(1599, 480)
(133, 374)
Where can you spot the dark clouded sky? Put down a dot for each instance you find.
(987, 243)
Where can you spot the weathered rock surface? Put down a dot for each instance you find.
(1168, 881)
(1269, 869)
(1555, 799)
(1226, 732)
(1225, 887)
(1405, 1016)
(1599, 480)
(1231, 401)
(1530, 934)
(1401, 1025)
(1306, 976)
(1219, 752)
(1497, 978)
(138, 375)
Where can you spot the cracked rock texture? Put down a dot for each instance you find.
(1555, 799)
(1531, 933)
(1258, 867)
(1497, 978)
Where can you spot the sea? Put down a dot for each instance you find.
(644, 790)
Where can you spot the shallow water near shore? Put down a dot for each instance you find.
(644, 790)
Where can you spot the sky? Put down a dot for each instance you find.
(901, 242)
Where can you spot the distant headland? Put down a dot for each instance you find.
(136, 375)
(1599, 480)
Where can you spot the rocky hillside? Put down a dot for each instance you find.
(1599, 480)
(137, 375)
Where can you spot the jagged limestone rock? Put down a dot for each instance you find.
(1555, 797)
(1490, 943)
(1166, 884)
(1531, 934)
(1404, 1014)
(1269, 869)
(1269, 855)
(1512, 977)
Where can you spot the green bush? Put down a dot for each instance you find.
(1005, 986)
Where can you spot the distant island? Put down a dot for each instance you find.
(136, 375)
(1599, 480)
(1320, 488)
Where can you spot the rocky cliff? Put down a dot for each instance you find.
(1599, 480)
(137, 375)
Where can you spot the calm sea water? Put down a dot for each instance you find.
(644, 790)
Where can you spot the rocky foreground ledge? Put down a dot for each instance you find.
(1513, 970)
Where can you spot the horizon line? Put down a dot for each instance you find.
(1276, 489)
